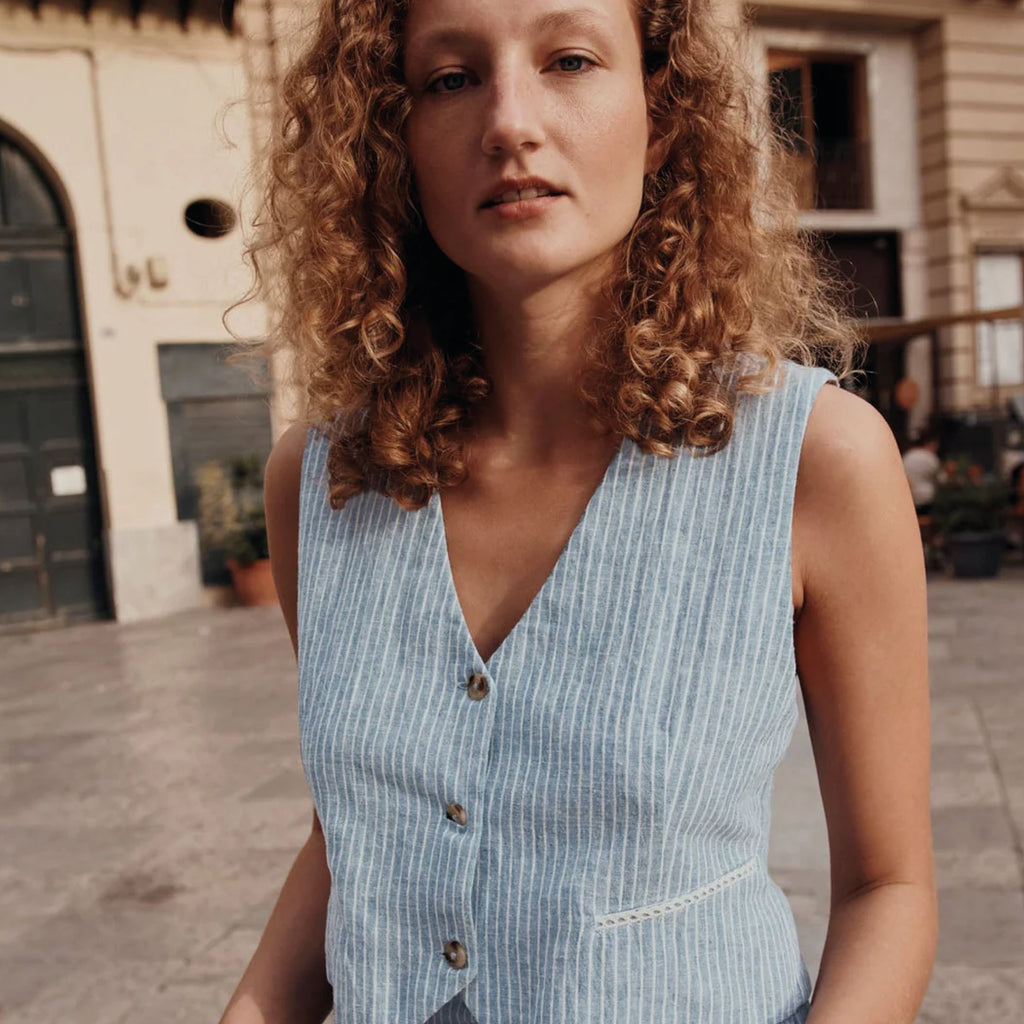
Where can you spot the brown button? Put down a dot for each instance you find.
(456, 813)
(455, 954)
(477, 686)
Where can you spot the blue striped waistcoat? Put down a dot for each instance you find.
(576, 831)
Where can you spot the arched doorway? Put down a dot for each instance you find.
(51, 548)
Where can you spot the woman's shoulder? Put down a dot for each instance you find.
(850, 469)
(852, 498)
(300, 451)
(844, 429)
(283, 471)
(282, 481)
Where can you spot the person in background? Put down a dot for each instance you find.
(921, 464)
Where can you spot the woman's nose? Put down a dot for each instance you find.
(512, 120)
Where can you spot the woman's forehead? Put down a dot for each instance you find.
(436, 22)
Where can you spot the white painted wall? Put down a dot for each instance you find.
(135, 129)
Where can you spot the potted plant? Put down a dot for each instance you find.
(233, 524)
(248, 554)
(969, 511)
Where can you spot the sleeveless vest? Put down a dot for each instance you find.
(576, 831)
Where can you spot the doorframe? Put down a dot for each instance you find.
(48, 172)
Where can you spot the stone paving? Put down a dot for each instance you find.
(152, 800)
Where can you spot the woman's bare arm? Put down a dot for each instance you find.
(286, 980)
(862, 658)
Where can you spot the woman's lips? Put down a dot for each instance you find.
(531, 192)
(521, 209)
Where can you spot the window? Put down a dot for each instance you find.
(819, 109)
(999, 346)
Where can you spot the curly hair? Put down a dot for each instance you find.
(714, 275)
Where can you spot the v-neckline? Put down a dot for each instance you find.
(573, 541)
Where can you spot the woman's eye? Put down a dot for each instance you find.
(576, 61)
(450, 82)
(455, 81)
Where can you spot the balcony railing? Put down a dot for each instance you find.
(843, 174)
(835, 176)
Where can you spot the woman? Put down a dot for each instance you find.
(550, 571)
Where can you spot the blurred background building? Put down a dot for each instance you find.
(905, 129)
(126, 130)
(125, 137)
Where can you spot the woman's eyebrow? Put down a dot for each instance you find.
(585, 18)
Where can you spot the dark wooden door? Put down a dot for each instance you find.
(52, 565)
(869, 266)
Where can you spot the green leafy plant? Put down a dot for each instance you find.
(248, 541)
(231, 515)
(968, 499)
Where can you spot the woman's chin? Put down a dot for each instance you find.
(533, 271)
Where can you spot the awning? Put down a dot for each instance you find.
(881, 331)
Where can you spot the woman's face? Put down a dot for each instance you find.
(547, 89)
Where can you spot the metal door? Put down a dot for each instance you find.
(51, 553)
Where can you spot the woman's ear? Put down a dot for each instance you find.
(657, 152)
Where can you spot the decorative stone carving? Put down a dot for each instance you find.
(1003, 192)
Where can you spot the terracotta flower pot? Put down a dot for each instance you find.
(253, 582)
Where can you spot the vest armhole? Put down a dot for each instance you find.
(312, 481)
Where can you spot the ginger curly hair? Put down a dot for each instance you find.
(376, 321)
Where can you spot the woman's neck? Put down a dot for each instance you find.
(534, 350)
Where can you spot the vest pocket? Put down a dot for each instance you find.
(647, 911)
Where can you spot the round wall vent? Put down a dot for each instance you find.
(209, 218)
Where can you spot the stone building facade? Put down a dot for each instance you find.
(126, 133)
(125, 140)
(928, 98)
